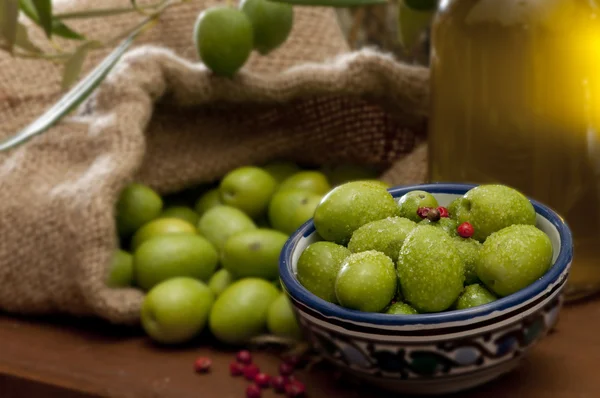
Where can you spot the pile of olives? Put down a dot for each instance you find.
(413, 256)
(209, 257)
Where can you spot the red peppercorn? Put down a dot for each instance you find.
(295, 389)
(279, 383)
(465, 230)
(253, 391)
(262, 380)
(250, 371)
(244, 357)
(202, 365)
(444, 213)
(285, 369)
(423, 211)
(236, 369)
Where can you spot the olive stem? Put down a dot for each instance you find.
(333, 3)
(147, 23)
(100, 12)
(106, 12)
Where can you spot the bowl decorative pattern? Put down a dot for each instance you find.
(432, 353)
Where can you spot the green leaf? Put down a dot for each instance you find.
(44, 12)
(332, 3)
(58, 27)
(74, 64)
(29, 9)
(9, 15)
(62, 30)
(22, 40)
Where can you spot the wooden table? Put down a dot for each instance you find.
(67, 359)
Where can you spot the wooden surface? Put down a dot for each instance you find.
(63, 359)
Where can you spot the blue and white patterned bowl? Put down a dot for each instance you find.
(432, 353)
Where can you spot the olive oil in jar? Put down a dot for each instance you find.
(516, 100)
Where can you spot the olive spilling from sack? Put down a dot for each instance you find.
(208, 257)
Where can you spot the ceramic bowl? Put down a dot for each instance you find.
(432, 353)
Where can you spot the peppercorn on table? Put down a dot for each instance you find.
(61, 357)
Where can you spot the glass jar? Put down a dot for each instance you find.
(516, 100)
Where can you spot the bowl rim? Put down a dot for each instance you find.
(298, 292)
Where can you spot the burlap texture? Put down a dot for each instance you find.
(161, 118)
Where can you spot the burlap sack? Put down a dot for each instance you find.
(161, 118)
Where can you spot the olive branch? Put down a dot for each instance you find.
(15, 40)
(14, 34)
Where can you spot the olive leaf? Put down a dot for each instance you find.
(44, 12)
(22, 40)
(74, 64)
(62, 30)
(58, 27)
(332, 3)
(9, 15)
